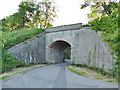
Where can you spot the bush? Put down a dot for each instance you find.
(9, 62)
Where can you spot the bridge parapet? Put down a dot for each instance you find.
(64, 28)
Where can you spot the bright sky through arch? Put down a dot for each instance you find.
(69, 11)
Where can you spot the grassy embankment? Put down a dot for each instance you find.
(12, 38)
(91, 73)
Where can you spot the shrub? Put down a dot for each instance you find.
(9, 62)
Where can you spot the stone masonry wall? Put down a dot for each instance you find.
(86, 47)
(32, 50)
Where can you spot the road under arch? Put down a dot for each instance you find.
(56, 50)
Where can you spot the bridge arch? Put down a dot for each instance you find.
(56, 50)
(59, 44)
(86, 46)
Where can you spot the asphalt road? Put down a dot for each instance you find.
(53, 76)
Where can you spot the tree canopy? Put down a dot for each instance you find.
(31, 14)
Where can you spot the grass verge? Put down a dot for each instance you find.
(20, 70)
(90, 74)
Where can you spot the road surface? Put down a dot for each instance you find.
(53, 76)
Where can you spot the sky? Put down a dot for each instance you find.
(69, 11)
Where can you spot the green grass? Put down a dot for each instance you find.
(109, 80)
(19, 72)
(86, 72)
(17, 36)
(12, 38)
(77, 72)
(100, 77)
(4, 77)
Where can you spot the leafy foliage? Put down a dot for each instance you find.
(109, 29)
(99, 7)
(9, 62)
(67, 53)
(31, 14)
(2, 40)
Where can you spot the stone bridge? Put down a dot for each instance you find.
(86, 47)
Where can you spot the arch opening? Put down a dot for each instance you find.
(67, 53)
(59, 44)
(60, 51)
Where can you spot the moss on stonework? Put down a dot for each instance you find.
(89, 60)
(94, 57)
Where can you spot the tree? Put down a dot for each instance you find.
(45, 13)
(38, 15)
(100, 7)
(22, 13)
(4, 24)
(31, 14)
